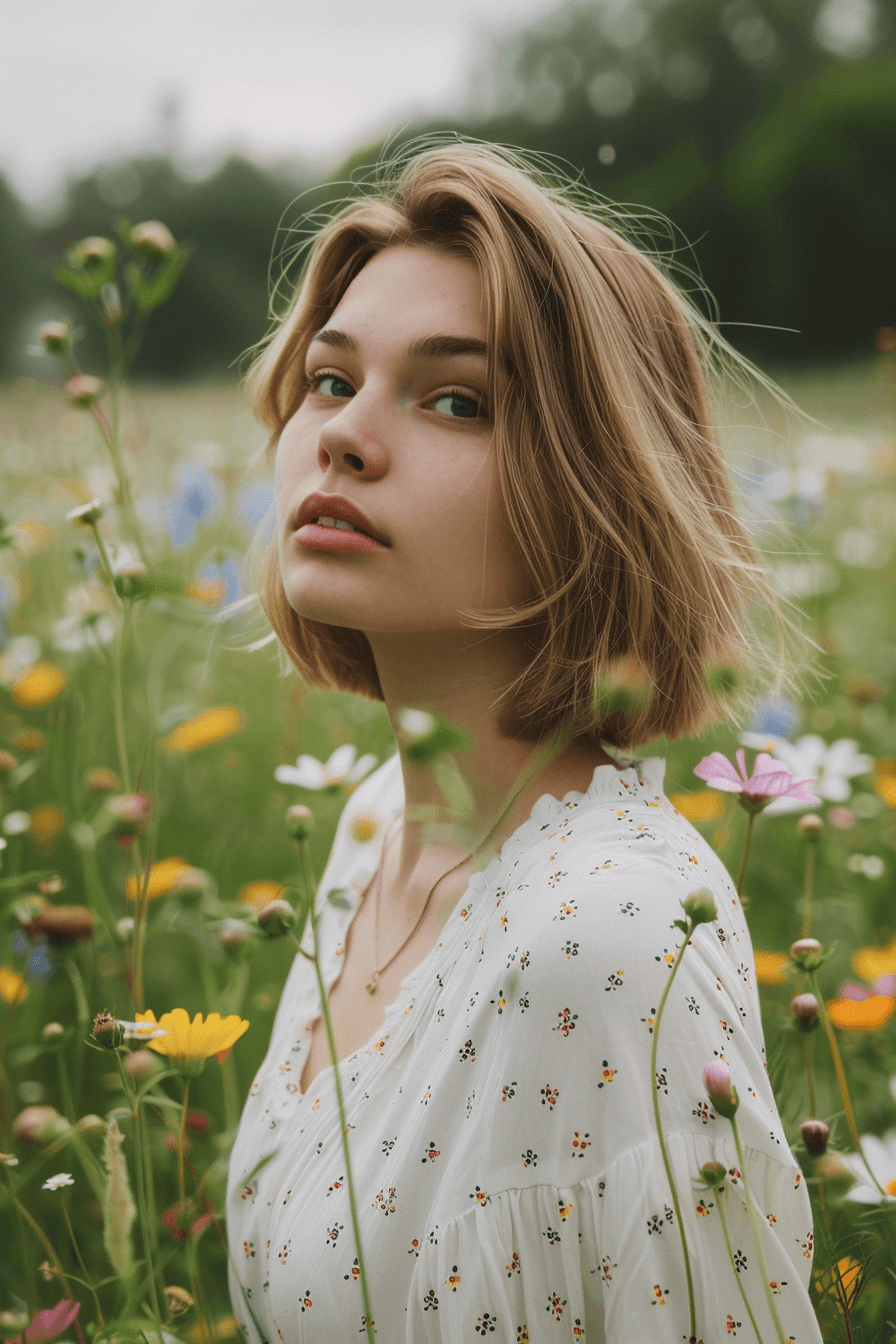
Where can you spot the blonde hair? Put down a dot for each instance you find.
(604, 443)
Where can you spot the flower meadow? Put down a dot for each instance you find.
(168, 798)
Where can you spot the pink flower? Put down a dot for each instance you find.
(720, 1089)
(50, 1323)
(768, 781)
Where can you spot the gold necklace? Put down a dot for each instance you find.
(373, 983)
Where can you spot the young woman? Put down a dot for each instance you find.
(497, 479)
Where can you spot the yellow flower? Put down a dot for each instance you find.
(213, 725)
(41, 683)
(861, 1015)
(30, 739)
(872, 962)
(258, 894)
(849, 1274)
(771, 967)
(47, 821)
(189, 1043)
(699, 807)
(209, 591)
(226, 1328)
(12, 986)
(885, 784)
(162, 878)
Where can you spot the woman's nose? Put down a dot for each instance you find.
(350, 440)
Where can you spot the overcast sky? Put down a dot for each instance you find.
(85, 81)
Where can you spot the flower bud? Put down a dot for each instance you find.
(130, 579)
(141, 1063)
(91, 253)
(127, 814)
(8, 762)
(831, 1167)
(810, 825)
(700, 907)
(152, 238)
(722, 1092)
(88, 514)
(107, 1030)
(191, 884)
(55, 337)
(815, 1135)
(39, 1125)
(276, 918)
(62, 924)
(91, 1124)
(101, 780)
(299, 821)
(83, 390)
(52, 1030)
(805, 1009)
(807, 954)
(713, 1174)
(233, 934)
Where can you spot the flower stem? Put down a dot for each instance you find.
(740, 1285)
(80, 1258)
(659, 1130)
(806, 1045)
(146, 1222)
(848, 1112)
(754, 1224)
(751, 817)
(331, 1041)
(180, 1146)
(45, 1242)
(807, 890)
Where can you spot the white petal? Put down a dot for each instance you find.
(361, 768)
(307, 773)
(339, 764)
(844, 759)
(761, 741)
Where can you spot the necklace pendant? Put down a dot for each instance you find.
(371, 985)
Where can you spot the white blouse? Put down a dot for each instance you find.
(510, 1183)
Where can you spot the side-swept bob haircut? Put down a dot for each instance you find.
(605, 447)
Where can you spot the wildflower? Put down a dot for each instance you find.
(698, 807)
(870, 865)
(91, 253)
(16, 823)
(815, 1135)
(50, 1323)
(8, 1160)
(101, 780)
(881, 1157)
(31, 739)
(872, 962)
(200, 497)
(810, 825)
(8, 762)
(46, 822)
(205, 729)
(40, 685)
(843, 818)
(720, 1089)
(181, 1223)
(340, 769)
(152, 238)
(226, 1327)
(189, 1043)
(13, 988)
(178, 1299)
(162, 879)
(771, 967)
(861, 1015)
(52, 1031)
(767, 782)
(807, 954)
(87, 514)
(55, 337)
(38, 1125)
(233, 934)
(259, 893)
(56, 1182)
(119, 1211)
(299, 821)
(83, 390)
(830, 766)
(276, 918)
(61, 923)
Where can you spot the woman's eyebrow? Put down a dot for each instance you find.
(427, 347)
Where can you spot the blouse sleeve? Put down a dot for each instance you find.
(580, 1239)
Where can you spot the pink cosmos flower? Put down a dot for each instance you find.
(50, 1323)
(768, 781)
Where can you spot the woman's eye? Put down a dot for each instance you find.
(314, 383)
(462, 406)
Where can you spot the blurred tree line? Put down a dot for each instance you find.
(763, 130)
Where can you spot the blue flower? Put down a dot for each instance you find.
(254, 504)
(228, 571)
(200, 496)
(775, 717)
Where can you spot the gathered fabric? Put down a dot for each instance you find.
(510, 1182)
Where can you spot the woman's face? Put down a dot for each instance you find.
(404, 436)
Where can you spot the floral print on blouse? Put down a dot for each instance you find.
(509, 1179)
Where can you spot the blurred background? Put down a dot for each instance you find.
(763, 130)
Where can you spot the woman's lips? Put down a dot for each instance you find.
(336, 539)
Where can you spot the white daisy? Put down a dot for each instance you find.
(55, 1182)
(810, 757)
(341, 768)
(881, 1155)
